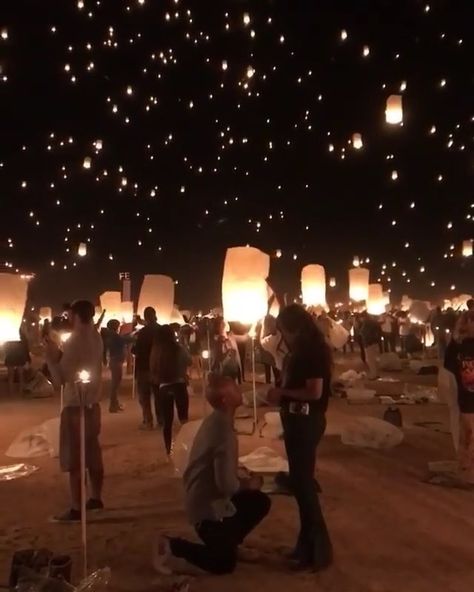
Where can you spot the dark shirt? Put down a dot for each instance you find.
(459, 359)
(115, 344)
(370, 332)
(302, 365)
(142, 347)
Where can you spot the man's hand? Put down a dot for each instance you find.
(274, 396)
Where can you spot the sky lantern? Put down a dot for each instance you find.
(82, 250)
(394, 110)
(359, 284)
(157, 291)
(460, 302)
(356, 261)
(13, 291)
(45, 314)
(406, 303)
(87, 162)
(111, 302)
(375, 300)
(126, 309)
(244, 286)
(332, 282)
(467, 248)
(357, 141)
(313, 286)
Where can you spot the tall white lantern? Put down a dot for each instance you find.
(359, 284)
(313, 286)
(357, 141)
(157, 291)
(111, 302)
(126, 309)
(467, 248)
(13, 292)
(244, 286)
(82, 250)
(406, 303)
(394, 109)
(375, 300)
(45, 314)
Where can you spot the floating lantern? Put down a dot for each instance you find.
(111, 302)
(244, 287)
(313, 286)
(82, 250)
(356, 261)
(13, 291)
(375, 300)
(357, 141)
(177, 317)
(87, 162)
(45, 314)
(394, 109)
(386, 299)
(467, 248)
(126, 309)
(157, 291)
(359, 284)
(406, 303)
(460, 302)
(332, 282)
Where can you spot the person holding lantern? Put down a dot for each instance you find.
(304, 397)
(82, 352)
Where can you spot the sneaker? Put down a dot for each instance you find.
(94, 505)
(117, 408)
(68, 517)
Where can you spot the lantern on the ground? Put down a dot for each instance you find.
(111, 302)
(82, 250)
(45, 314)
(394, 109)
(244, 286)
(157, 291)
(375, 300)
(313, 286)
(467, 248)
(13, 291)
(126, 309)
(357, 141)
(358, 284)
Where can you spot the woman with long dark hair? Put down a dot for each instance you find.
(303, 396)
(169, 362)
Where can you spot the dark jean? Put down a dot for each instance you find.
(116, 371)
(170, 395)
(302, 434)
(218, 554)
(147, 391)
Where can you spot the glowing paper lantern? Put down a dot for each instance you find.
(375, 300)
(244, 287)
(313, 285)
(82, 250)
(332, 282)
(177, 317)
(87, 162)
(460, 302)
(386, 299)
(467, 248)
(126, 309)
(111, 302)
(359, 284)
(356, 261)
(406, 303)
(394, 109)
(357, 141)
(157, 291)
(45, 313)
(13, 291)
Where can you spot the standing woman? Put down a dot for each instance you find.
(169, 362)
(306, 383)
(459, 360)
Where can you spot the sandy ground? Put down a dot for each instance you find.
(391, 531)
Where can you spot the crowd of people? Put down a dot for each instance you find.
(223, 503)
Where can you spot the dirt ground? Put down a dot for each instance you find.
(391, 532)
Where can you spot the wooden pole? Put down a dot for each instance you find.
(82, 386)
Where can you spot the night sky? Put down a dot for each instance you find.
(160, 132)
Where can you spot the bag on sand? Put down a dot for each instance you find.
(42, 440)
(371, 432)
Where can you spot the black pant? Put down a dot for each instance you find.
(147, 390)
(218, 555)
(302, 434)
(168, 396)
